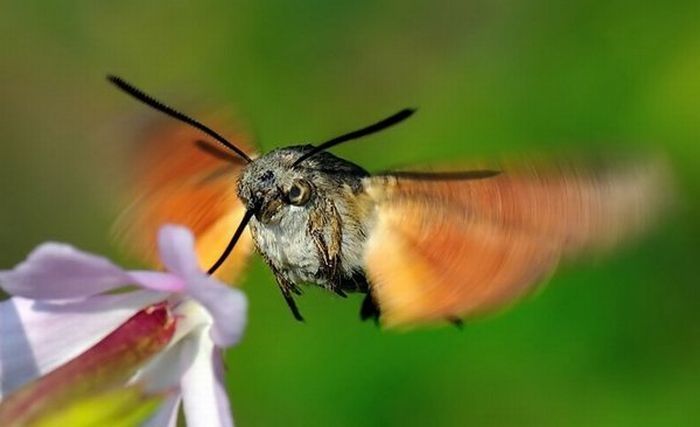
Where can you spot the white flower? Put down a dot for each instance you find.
(60, 309)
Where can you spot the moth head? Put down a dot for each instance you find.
(275, 185)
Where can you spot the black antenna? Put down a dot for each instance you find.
(381, 125)
(216, 151)
(246, 217)
(148, 100)
(442, 176)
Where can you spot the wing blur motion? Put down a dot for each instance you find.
(178, 177)
(444, 249)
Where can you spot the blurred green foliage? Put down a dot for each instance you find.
(609, 344)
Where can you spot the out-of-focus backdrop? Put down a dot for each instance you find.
(611, 343)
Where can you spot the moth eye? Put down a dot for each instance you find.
(299, 193)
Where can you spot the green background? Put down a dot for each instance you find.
(611, 343)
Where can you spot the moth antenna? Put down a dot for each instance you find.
(376, 127)
(442, 176)
(153, 103)
(215, 151)
(232, 243)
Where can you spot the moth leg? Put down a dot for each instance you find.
(329, 262)
(287, 287)
(457, 322)
(325, 230)
(370, 309)
(355, 283)
(291, 304)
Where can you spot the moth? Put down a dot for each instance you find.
(424, 247)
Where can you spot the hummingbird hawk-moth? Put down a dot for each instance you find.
(423, 246)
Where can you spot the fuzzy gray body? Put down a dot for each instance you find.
(320, 241)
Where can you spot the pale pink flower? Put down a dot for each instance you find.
(61, 307)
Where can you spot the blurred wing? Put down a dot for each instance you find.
(443, 249)
(180, 177)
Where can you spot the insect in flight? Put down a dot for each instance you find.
(424, 247)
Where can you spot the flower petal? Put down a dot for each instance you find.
(227, 306)
(167, 413)
(204, 395)
(124, 406)
(59, 271)
(38, 336)
(157, 281)
(176, 249)
(164, 371)
(106, 365)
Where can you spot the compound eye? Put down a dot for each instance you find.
(299, 193)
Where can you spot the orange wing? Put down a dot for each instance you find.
(443, 249)
(176, 181)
